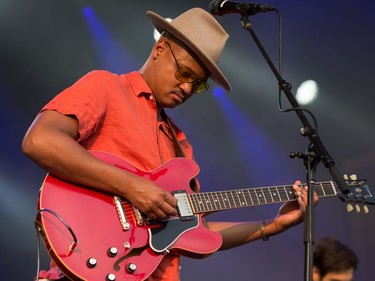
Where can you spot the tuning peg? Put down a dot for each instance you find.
(365, 209)
(349, 207)
(357, 208)
(345, 176)
(353, 177)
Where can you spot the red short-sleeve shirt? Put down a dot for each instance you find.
(118, 114)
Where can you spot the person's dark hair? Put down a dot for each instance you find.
(330, 255)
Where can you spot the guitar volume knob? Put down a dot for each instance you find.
(91, 262)
(131, 267)
(110, 277)
(112, 252)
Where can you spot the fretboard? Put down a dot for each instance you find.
(238, 198)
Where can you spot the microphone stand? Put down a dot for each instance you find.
(316, 151)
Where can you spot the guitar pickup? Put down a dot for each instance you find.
(183, 205)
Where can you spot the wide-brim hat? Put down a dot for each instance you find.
(202, 34)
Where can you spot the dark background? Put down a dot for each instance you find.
(240, 138)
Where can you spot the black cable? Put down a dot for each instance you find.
(39, 230)
(280, 71)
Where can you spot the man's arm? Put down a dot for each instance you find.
(290, 214)
(51, 143)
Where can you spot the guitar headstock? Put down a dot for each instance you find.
(360, 194)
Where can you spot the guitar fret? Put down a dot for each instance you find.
(217, 201)
(249, 196)
(226, 200)
(319, 189)
(333, 189)
(199, 202)
(231, 199)
(278, 193)
(255, 196)
(239, 196)
(245, 198)
(264, 196)
(203, 202)
(283, 194)
(269, 196)
(259, 194)
(322, 189)
(237, 199)
(207, 202)
(222, 200)
(290, 193)
(275, 194)
(193, 199)
(244, 203)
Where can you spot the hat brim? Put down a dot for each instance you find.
(161, 24)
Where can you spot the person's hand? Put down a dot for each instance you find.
(152, 200)
(291, 213)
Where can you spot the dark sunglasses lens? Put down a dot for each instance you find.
(200, 88)
(184, 74)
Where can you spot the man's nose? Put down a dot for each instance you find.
(187, 88)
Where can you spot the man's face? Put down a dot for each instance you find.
(168, 90)
(335, 276)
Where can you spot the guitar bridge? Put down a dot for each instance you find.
(120, 211)
(183, 205)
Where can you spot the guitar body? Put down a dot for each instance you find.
(103, 247)
(95, 236)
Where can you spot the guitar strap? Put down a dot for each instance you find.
(178, 149)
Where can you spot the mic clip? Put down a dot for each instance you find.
(245, 10)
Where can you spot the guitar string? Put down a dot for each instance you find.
(204, 202)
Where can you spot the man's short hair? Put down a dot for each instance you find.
(330, 255)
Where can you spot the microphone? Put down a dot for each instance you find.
(222, 7)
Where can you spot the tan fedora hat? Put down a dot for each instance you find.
(202, 34)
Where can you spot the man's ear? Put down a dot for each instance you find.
(158, 49)
(316, 274)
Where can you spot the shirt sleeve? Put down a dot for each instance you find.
(86, 100)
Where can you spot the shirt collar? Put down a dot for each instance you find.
(139, 84)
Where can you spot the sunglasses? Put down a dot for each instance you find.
(186, 75)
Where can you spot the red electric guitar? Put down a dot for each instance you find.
(96, 236)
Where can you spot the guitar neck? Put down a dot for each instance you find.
(239, 198)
